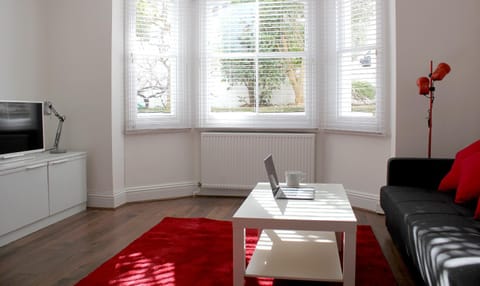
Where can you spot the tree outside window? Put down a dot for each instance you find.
(257, 56)
(153, 59)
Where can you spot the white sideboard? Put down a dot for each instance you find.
(39, 190)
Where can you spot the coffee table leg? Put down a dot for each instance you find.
(339, 236)
(349, 256)
(238, 254)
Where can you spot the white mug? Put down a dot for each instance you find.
(293, 178)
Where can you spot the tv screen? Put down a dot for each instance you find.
(21, 128)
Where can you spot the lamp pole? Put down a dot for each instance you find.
(430, 112)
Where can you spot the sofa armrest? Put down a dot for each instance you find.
(417, 172)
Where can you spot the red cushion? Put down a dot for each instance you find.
(452, 179)
(477, 211)
(469, 183)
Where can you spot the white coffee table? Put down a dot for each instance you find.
(300, 239)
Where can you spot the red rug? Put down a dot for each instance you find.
(187, 252)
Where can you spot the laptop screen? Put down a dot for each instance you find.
(272, 174)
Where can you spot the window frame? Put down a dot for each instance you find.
(333, 118)
(178, 117)
(257, 119)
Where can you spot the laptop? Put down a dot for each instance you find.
(300, 193)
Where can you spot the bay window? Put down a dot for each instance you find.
(260, 64)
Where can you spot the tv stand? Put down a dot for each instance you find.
(39, 190)
(15, 159)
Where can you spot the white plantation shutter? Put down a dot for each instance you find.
(156, 78)
(261, 64)
(257, 64)
(356, 99)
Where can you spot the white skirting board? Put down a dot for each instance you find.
(364, 201)
(143, 193)
(186, 189)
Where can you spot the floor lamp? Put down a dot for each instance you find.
(426, 88)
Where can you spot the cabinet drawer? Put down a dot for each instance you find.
(24, 197)
(67, 180)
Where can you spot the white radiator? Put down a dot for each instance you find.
(235, 160)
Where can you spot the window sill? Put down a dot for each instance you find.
(352, 132)
(157, 131)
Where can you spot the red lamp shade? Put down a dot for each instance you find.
(423, 84)
(441, 71)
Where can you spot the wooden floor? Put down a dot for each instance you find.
(65, 252)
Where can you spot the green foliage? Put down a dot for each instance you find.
(363, 91)
(158, 109)
(148, 11)
(363, 97)
(279, 31)
(360, 19)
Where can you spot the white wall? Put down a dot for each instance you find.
(160, 159)
(79, 71)
(442, 31)
(21, 50)
(117, 84)
(356, 161)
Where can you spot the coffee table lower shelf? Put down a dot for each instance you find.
(296, 255)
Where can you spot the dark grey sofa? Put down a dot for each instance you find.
(439, 238)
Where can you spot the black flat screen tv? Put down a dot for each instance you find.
(21, 128)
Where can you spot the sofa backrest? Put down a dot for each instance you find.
(417, 172)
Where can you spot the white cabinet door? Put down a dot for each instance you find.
(23, 196)
(67, 179)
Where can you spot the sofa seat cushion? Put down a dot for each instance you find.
(400, 203)
(446, 247)
(441, 238)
